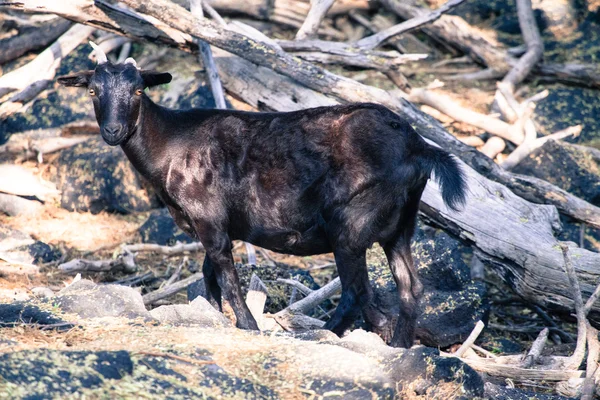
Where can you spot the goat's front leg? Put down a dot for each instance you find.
(213, 290)
(218, 252)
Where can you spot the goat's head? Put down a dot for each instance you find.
(116, 90)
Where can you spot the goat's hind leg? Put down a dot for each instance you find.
(357, 293)
(409, 287)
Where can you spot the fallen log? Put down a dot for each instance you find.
(32, 39)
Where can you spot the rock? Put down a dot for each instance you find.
(160, 228)
(114, 374)
(198, 312)
(21, 312)
(566, 167)
(505, 393)
(94, 177)
(451, 304)
(90, 300)
(422, 371)
(19, 246)
(42, 292)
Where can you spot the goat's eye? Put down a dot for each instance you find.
(139, 92)
(92, 92)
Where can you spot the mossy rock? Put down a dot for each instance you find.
(95, 177)
(566, 167)
(451, 304)
(160, 228)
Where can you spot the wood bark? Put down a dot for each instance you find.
(310, 26)
(32, 39)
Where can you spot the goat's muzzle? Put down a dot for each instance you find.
(113, 134)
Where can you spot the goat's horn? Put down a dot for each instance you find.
(100, 56)
(131, 61)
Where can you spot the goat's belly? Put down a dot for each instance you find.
(310, 242)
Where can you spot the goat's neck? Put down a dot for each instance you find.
(144, 146)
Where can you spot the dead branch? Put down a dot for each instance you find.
(459, 113)
(575, 360)
(298, 285)
(175, 276)
(317, 12)
(34, 77)
(375, 40)
(592, 299)
(471, 339)
(124, 262)
(536, 349)
(494, 146)
(8, 266)
(535, 46)
(589, 385)
(529, 147)
(519, 374)
(32, 39)
(313, 299)
(207, 60)
(167, 291)
(174, 250)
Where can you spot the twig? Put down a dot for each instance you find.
(536, 349)
(315, 15)
(483, 351)
(175, 276)
(375, 40)
(174, 357)
(313, 299)
(298, 285)
(171, 289)
(527, 147)
(589, 385)
(208, 61)
(590, 302)
(174, 250)
(575, 360)
(471, 339)
(125, 262)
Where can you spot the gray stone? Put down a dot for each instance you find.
(90, 300)
(198, 312)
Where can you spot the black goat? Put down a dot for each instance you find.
(328, 179)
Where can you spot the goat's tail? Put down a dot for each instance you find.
(448, 174)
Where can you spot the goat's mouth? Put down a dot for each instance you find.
(114, 136)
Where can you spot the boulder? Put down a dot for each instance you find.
(20, 246)
(160, 228)
(95, 177)
(90, 300)
(451, 304)
(198, 312)
(566, 167)
(17, 313)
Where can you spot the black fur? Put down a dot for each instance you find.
(328, 179)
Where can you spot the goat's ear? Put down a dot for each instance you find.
(80, 79)
(152, 78)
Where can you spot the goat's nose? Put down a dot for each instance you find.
(113, 129)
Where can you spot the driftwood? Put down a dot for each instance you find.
(14, 205)
(32, 39)
(318, 10)
(174, 250)
(256, 299)
(124, 263)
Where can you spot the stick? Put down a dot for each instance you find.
(208, 60)
(175, 276)
(171, 289)
(298, 285)
(375, 40)
(525, 149)
(536, 349)
(317, 12)
(124, 262)
(593, 298)
(471, 339)
(494, 146)
(575, 360)
(589, 385)
(174, 250)
(313, 299)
